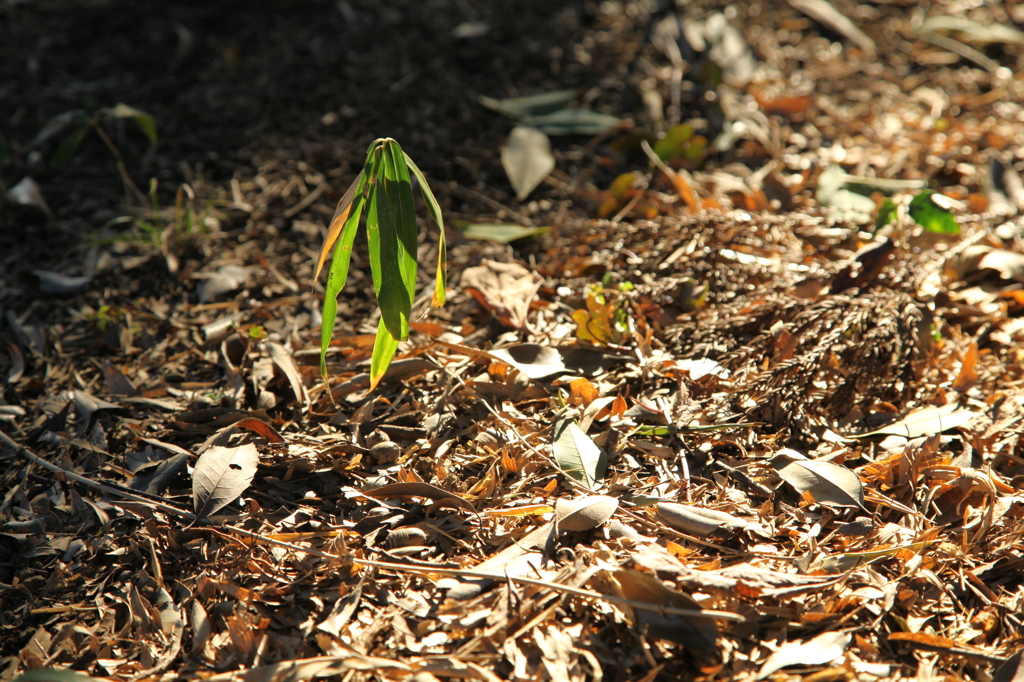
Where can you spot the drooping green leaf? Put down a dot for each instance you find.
(340, 219)
(435, 213)
(396, 240)
(384, 191)
(339, 273)
(141, 118)
(384, 347)
(925, 212)
(576, 454)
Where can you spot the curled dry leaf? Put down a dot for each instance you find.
(221, 475)
(584, 513)
(827, 483)
(702, 522)
(533, 360)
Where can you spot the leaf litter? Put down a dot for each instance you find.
(515, 500)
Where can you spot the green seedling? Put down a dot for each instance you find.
(931, 211)
(80, 122)
(604, 319)
(383, 189)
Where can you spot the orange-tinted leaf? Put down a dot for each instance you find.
(524, 510)
(786, 106)
(260, 427)
(968, 375)
(582, 392)
(341, 214)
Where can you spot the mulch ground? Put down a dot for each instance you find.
(711, 427)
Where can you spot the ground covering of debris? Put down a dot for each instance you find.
(719, 422)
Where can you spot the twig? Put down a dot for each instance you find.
(421, 570)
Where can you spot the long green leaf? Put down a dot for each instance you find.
(393, 252)
(435, 212)
(141, 118)
(340, 219)
(407, 220)
(337, 277)
(384, 347)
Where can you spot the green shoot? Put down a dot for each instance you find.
(383, 190)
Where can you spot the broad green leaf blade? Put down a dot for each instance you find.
(435, 212)
(337, 277)
(925, 212)
(141, 118)
(340, 219)
(576, 454)
(393, 241)
(384, 347)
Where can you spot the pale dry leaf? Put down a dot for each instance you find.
(584, 513)
(27, 193)
(283, 360)
(221, 475)
(823, 649)
(1012, 670)
(823, 12)
(699, 521)
(827, 483)
(576, 454)
(527, 159)
(417, 489)
(533, 360)
(505, 289)
(926, 421)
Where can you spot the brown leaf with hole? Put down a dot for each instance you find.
(220, 476)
